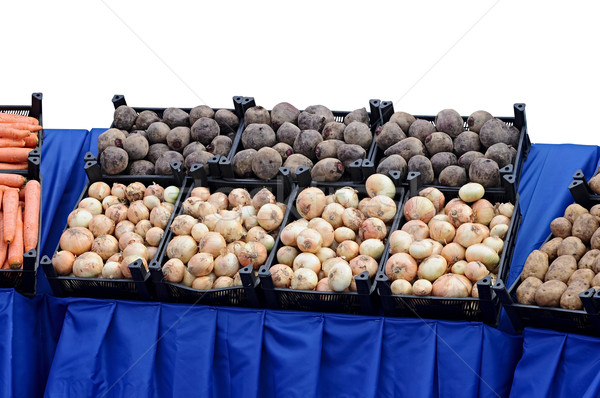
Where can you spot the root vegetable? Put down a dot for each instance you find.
(452, 285)
(484, 254)
(105, 246)
(286, 255)
(226, 265)
(340, 276)
(79, 218)
(306, 143)
(281, 275)
(468, 234)
(266, 163)
(417, 229)
(310, 203)
(88, 265)
(393, 163)
(419, 208)
(400, 242)
(420, 129)
(485, 171)
(309, 240)
(388, 135)
(372, 228)
(304, 279)
(432, 268)
(77, 240)
(483, 212)
(62, 262)
(183, 248)
(381, 207)
(466, 141)
(422, 164)
(401, 266)
(363, 263)
(401, 286)
(352, 218)
(343, 233)
(253, 253)
(372, 248)
(270, 216)
(222, 282)
(348, 249)
(407, 148)
(421, 249)
(112, 270)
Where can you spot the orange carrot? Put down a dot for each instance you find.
(3, 245)
(15, 134)
(14, 155)
(21, 195)
(10, 205)
(11, 117)
(15, 248)
(21, 126)
(12, 180)
(5, 265)
(13, 166)
(31, 141)
(8, 143)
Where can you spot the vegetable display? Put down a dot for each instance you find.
(18, 137)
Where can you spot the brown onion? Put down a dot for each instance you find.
(219, 200)
(189, 279)
(381, 207)
(101, 225)
(183, 248)
(155, 190)
(372, 248)
(437, 247)
(202, 283)
(400, 242)
(230, 229)
(251, 222)
(226, 265)
(99, 190)
(435, 196)
(324, 229)
(483, 211)
(105, 246)
(401, 286)
(323, 285)
(419, 208)
(506, 209)
(401, 266)
(417, 229)
(63, 262)
(352, 218)
(281, 274)
(347, 197)
(159, 217)
(364, 263)
(135, 191)
(211, 242)
(343, 233)
(112, 270)
(142, 227)
(253, 253)
(122, 227)
(325, 253)
(421, 249)
(118, 190)
(363, 205)
(239, 197)
(88, 265)
(422, 287)
(129, 237)
(469, 234)
(372, 228)
(307, 260)
(152, 251)
(310, 203)
(235, 247)
(347, 250)
(270, 216)
(201, 192)
(459, 267)
(459, 213)
(499, 219)
(77, 240)
(263, 197)
(441, 231)
(453, 252)
(124, 265)
(380, 184)
(475, 271)
(237, 280)
(304, 279)
(309, 240)
(136, 249)
(340, 277)
(432, 268)
(154, 235)
(94, 206)
(109, 201)
(210, 221)
(286, 255)
(328, 264)
(222, 282)
(117, 213)
(200, 264)
(169, 206)
(290, 232)
(452, 285)
(118, 257)
(247, 211)
(174, 270)
(79, 218)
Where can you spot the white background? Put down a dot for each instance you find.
(425, 56)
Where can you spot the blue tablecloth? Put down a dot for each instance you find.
(70, 347)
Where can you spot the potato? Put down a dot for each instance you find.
(595, 240)
(358, 133)
(526, 290)
(113, 160)
(536, 265)
(596, 280)
(199, 112)
(198, 157)
(549, 293)
(220, 145)
(348, 153)
(420, 129)
(438, 142)
(205, 130)
(327, 170)
(124, 117)
(284, 112)
(266, 163)
(175, 117)
(561, 269)
(485, 171)
(407, 148)
(136, 146)
(561, 227)
(587, 261)
(389, 134)
(501, 154)
(467, 158)
(111, 137)
(163, 164)
(594, 184)
(257, 115)
(403, 119)
(296, 160)
(585, 274)
(228, 121)
(423, 165)
(328, 149)
(145, 119)
(573, 211)
(570, 298)
(284, 150)
(193, 147)
(334, 131)
(493, 132)
(477, 119)
(551, 248)
(157, 133)
(571, 246)
(141, 167)
(441, 160)
(453, 176)
(242, 162)
(466, 141)
(584, 227)
(287, 133)
(306, 143)
(393, 163)
(155, 151)
(178, 138)
(595, 211)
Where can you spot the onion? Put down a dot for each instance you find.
(174, 270)
(469, 234)
(352, 218)
(101, 225)
(372, 248)
(401, 286)
(253, 253)
(170, 194)
(328, 264)
(452, 285)
(112, 270)
(118, 257)
(475, 291)
(432, 268)
(304, 279)
(310, 203)
(154, 235)
(459, 267)
(251, 222)
(230, 229)
(183, 224)
(494, 242)
(499, 231)
(325, 253)
(152, 251)
(400, 242)
(169, 206)
(105, 246)
(63, 262)
(281, 274)
(79, 218)
(183, 248)
(347, 197)
(307, 260)
(290, 232)
(201, 264)
(155, 190)
(309, 240)
(88, 265)
(422, 287)
(226, 264)
(286, 255)
(202, 283)
(210, 221)
(128, 238)
(483, 212)
(211, 242)
(419, 208)
(135, 191)
(498, 220)
(329, 199)
(116, 213)
(125, 265)
(76, 240)
(380, 184)
(417, 229)
(363, 205)
(123, 227)
(483, 253)
(343, 233)
(437, 247)
(237, 280)
(439, 217)
(372, 228)
(247, 211)
(303, 222)
(109, 201)
(118, 190)
(323, 285)
(267, 240)
(142, 227)
(435, 196)
(381, 207)
(201, 192)
(475, 271)
(421, 249)
(347, 250)
(453, 252)
(340, 277)
(99, 190)
(92, 205)
(222, 282)
(239, 197)
(189, 279)
(324, 229)
(263, 197)
(235, 247)
(441, 231)
(151, 202)
(471, 192)
(401, 266)
(159, 217)
(255, 234)
(136, 249)
(364, 263)
(506, 209)
(219, 200)
(191, 206)
(270, 217)
(459, 213)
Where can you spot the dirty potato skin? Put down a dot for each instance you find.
(584, 227)
(551, 248)
(526, 290)
(561, 227)
(327, 170)
(561, 269)
(536, 265)
(549, 293)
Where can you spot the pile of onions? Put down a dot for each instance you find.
(445, 250)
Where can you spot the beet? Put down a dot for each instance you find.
(485, 171)
(156, 151)
(136, 146)
(228, 121)
(266, 163)
(450, 122)
(175, 117)
(465, 142)
(358, 133)
(423, 165)
(141, 167)
(284, 150)
(199, 112)
(145, 119)
(328, 149)
(357, 115)
(421, 129)
(257, 115)
(441, 160)
(282, 113)
(334, 131)
(242, 162)
(113, 160)
(477, 119)
(453, 176)
(257, 136)
(287, 133)
(438, 142)
(296, 160)
(157, 133)
(163, 164)
(306, 143)
(403, 119)
(111, 137)
(389, 134)
(124, 117)
(407, 148)
(220, 145)
(393, 163)
(493, 132)
(327, 170)
(205, 130)
(178, 138)
(198, 157)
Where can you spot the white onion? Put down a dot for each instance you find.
(381, 207)
(174, 270)
(226, 264)
(499, 231)
(304, 279)
(340, 277)
(400, 242)
(182, 247)
(309, 240)
(364, 263)
(88, 265)
(247, 211)
(154, 235)
(471, 192)
(99, 190)
(452, 285)
(483, 253)
(441, 231)
(270, 216)
(170, 194)
(310, 203)
(128, 238)
(380, 184)
(475, 271)
(79, 218)
(347, 250)
(307, 260)
(77, 240)
(347, 197)
(92, 205)
(417, 229)
(328, 264)
(437, 247)
(459, 267)
(112, 270)
(325, 253)
(201, 192)
(372, 248)
(324, 229)
(281, 275)
(432, 268)
(506, 209)
(494, 242)
(420, 249)
(101, 225)
(422, 287)
(211, 242)
(453, 252)
(401, 286)
(435, 196)
(498, 220)
(63, 262)
(343, 233)
(201, 264)
(419, 208)
(287, 254)
(401, 266)
(469, 234)
(483, 212)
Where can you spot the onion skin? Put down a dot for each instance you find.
(211, 242)
(219, 200)
(432, 268)
(99, 190)
(372, 228)
(453, 252)
(101, 225)
(226, 265)
(343, 233)
(310, 203)
(105, 246)
(469, 234)
(118, 190)
(347, 250)
(253, 253)
(363, 263)
(422, 287)
(156, 191)
(286, 255)
(128, 238)
(136, 249)
(372, 248)
(441, 231)
(182, 247)
(347, 197)
(435, 196)
(116, 213)
(239, 197)
(332, 213)
(307, 260)
(137, 211)
(459, 267)
(475, 271)
(222, 282)
(506, 209)
(499, 231)
(323, 285)
(109, 201)
(183, 224)
(381, 207)
(352, 218)
(154, 235)
(200, 283)
(459, 213)
(304, 279)
(483, 253)
(380, 184)
(230, 229)
(499, 219)
(125, 265)
(189, 279)
(92, 205)
(142, 228)
(123, 227)
(309, 241)
(400, 242)
(471, 192)
(324, 229)
(401, 286)
(483, 212)
(263, 197)
(281, 275)
(419, 208)
(76, 240)
(417, 229)
(290, 232)
(63, 262)
(171, 193)
(401, 266)
(495, 243)
(340, 277)
(452, 285)
(88, 265)
(202, 193)
(325, 253)
(79, 218)
(174, 270)
(421, 249)
(327, 265)
(159, 217)
(135, 191)
(270, 217)
(201, 264)
(112, 270)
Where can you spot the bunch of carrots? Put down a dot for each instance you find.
(18, 137)
(19, 218)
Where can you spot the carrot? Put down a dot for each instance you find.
(14, 155)
(31, 141)
(21, 126)
(13, 166)
(5, 265)
(8, 143)
(15, 248)
(15, 134)
(10, 205)
(12, 117)
(12, 180)
(3, 245)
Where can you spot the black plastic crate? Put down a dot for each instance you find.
(585, 321)
(239, 109)
(247, 295)
(137, 288)
(512, 171)
(485, 308)
(363, 301)
(33, 110)
(352, 174)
